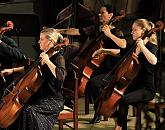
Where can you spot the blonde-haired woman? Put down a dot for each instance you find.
(142, 88)
(41, 111)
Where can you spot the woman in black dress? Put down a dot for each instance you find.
(42, 110)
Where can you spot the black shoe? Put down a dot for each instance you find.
(96, 119)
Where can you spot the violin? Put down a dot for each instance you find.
(96, 62)
(9, 26)
(20, 90)
(124, 73)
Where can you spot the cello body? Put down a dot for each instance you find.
(113, 92)
(89, 68)
(13, 103)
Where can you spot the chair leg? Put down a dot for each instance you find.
(76, 125)
(138, 118)
(86, 105)
(134, 111)
(60, 124)
(76, 120)
(157, 115)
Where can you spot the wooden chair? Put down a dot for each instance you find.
(70, 90)
(151, 105)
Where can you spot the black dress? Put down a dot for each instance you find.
(42, 110)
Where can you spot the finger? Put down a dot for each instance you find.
(94, 54)
(135, 55)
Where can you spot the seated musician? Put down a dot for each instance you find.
(113, 42)
(142, 88)
(43, 107)
(9, 53)
(113, 39)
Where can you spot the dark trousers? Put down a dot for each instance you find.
(132, 98)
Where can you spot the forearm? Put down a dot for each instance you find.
(113, 52)
(58, 72)
(18, 69)
(52, 68)
(12, 71)
(13, 52)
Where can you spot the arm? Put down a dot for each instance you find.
(87, 31)
(12, 70)
(152, 59)
(11, 53)
(107, 31)
(9, 41)
(113, 52)
(58, 71)
(45, 60)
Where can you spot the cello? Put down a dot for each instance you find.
(20, 90)
(124, 72)
(96, 62)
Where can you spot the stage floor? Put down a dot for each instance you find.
(106, 125)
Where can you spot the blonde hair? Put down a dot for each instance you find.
(147, 26)
(52, 34)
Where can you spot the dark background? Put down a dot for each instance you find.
(29, 16)
(44, 13)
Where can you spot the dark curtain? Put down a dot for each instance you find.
(49, 9)
(4, 1)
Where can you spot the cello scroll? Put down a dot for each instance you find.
(9, 26)
(121, 16)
